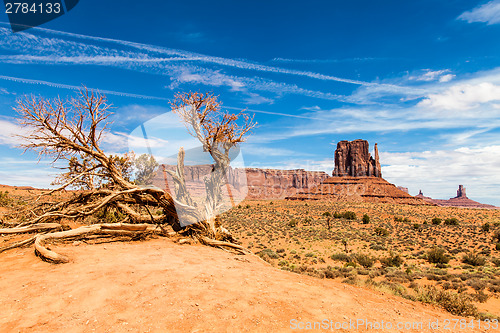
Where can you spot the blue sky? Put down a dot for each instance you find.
(420, 78)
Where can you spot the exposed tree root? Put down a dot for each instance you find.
(114, 229)
(32, 228)
(223, 245)
(28, 241)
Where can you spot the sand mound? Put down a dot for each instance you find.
(159, 286)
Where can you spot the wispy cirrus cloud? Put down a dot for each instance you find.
(326, 61)
(429, 75)
(75, 88)
(488, 13)
(182, 66)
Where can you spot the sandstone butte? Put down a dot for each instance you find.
(357, 177)
(461, 200)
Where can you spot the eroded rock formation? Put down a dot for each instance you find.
(352, 159)
(461, 192)
(261, 183)
(461, 200)
(357, 177)
(272, 183)
(367, 189)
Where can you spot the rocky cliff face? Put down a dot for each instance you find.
(357, 189)
(271, 183)
(352, 159)
(261, 183)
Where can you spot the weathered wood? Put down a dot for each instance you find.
(114, 229)
(28, 241)
(31, 228)
(124, 226)
(50, 255)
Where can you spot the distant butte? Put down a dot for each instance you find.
(357, 177)
(461, 200)
(353, 159)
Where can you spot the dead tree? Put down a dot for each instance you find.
(218, 132)
(72, 130)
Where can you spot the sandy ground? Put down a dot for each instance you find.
(160, 286)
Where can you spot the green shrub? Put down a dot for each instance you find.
(292, 223)
(486, 227)
(109, 216)
(366, 219)
(398, 219)
(436, 221)
(473, 259)
(497, 246)
(377, 247)
(379, 231)
(455, 303)
(451, 221)
(348, 215)
(5, 199)
(364, 260)
(393, 260)
(340, 257)
(327, 214)
(337, 215)
(268, 253)
(437, 256)
(350, 264)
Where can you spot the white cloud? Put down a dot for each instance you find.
(209, 78)
(25, 171)
(430, 75)
(8, 131)
(257, 99)
(463, 97)
(119, 140)
(446, 77)
(37, 177)
(438, 173)
(75, 88)
(488, 13)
